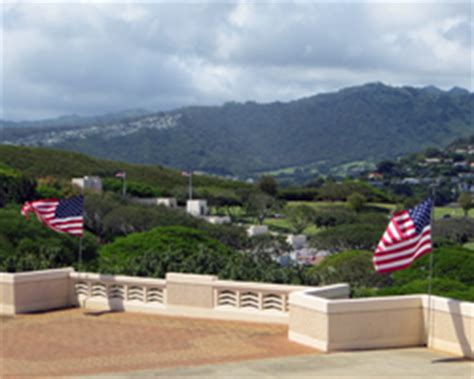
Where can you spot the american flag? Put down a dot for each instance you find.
(121, 174)
(62, 216)
(186, 173)
(408, 237)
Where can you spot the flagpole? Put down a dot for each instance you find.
(80, 252)
(190, 189)
(79, 256)
(430, 277)
(124, 184)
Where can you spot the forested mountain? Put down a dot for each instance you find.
(366, 123)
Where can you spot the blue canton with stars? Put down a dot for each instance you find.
(421, 214)
(72, 207)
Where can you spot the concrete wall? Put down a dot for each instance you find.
(35, 291)
(383, 322)
(190, 290)
(449, 325)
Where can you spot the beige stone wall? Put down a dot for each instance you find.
(449, 325)
(190, 290)
(309, 327)
(7, 295)
(375, 329)
(35, 291)
(399, 321)
(355, 324)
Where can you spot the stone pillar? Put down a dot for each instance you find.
(190, 290)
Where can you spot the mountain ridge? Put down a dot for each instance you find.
(369, 122)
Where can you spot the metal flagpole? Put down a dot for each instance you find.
(80, 252)
(190, 185)
(124, 184)
(79, 257)
(430, 277)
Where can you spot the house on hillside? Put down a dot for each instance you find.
(88, 183)
(169, 202)
(197, 207)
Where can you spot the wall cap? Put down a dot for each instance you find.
(35, 276)
(117, 279)
(190, 278)
(444, 304)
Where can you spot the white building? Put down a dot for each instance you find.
(89, 183)
(257, 230)
(197, 207)
(296, 241)
(218, 220)
(169, 202)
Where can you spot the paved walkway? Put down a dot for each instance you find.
(74, 342)
(381, 364)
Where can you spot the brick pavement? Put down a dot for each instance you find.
(73, 342)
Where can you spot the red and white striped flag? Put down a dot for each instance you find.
(186, 173)
(62, 216)
(408, 237)
(121, 174)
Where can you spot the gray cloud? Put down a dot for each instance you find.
(97, 57)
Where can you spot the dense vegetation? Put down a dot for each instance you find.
(123, 237)
(368, 123)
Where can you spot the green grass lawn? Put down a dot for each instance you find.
(469, 245)
(282, 225)
(439, 211)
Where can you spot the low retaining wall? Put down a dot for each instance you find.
(450, 325)
(381, 322)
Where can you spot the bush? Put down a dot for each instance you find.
(440, 286)
(161, 250)
(29, 245)
(353, 267)
(349, 237)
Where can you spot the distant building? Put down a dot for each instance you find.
(257, 230)
(169, 202)
(218, 220)
(296, 241)
(375, 176)
(197, 207)
(432, 160)
(89, 183)
(412, 181)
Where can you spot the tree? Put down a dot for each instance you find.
(268, 185)
(356, 202)
(348, 237)
(300, 217)
(260, 206)
(164, 249)
(386, 167)
(353, 267)
(29, 245)
(465, 202)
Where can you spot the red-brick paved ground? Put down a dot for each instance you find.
(75, 342)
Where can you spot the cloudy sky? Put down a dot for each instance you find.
(94, 57)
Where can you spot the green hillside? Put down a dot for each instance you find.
(42, 162)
